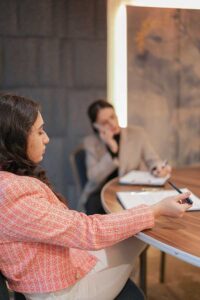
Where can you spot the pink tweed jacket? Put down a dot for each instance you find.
(43, 244)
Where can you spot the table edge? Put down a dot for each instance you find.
(183, 255)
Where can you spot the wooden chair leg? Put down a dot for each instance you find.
(162, 266)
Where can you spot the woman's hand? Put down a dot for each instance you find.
(162, 170)
(174, 206)
(107, 137)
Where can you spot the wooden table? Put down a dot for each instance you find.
(178, 237)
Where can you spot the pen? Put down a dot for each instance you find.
(188, 200)
(165, 162)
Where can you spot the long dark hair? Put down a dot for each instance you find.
(94, 109)
(17, 116)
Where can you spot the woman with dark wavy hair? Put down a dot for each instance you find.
(19, 114)
(47, 250)
(17, 119)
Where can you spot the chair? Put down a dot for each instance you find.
(131, 291)
(4, 291)
(78, 164)
(77, 160)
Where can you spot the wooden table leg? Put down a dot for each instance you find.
(143, 270)
(162, 266)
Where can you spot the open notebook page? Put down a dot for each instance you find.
(136, 177)
(135, 198)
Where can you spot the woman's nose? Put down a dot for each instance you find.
(46, 139)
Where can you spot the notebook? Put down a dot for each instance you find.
(142, 178)
(135, 198)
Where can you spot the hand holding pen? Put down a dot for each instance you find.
(162, 169)
(187, 200)
(171, 207)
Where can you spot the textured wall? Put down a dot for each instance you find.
(55, 52)
(164, 79)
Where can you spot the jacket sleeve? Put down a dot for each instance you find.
(29, 215)
(98, 167)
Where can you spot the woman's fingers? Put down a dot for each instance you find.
(182, 198)
(162, 170)
(173, 206)
(183, 195)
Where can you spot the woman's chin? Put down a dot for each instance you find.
(116, 131)
(37, 161)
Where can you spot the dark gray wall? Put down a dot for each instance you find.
(54, 51)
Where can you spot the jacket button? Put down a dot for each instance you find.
(78, 275)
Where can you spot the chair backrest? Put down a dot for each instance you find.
(78, 164)
(4, 292)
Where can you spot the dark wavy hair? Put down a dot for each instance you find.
(94, 109)
(17, 116)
